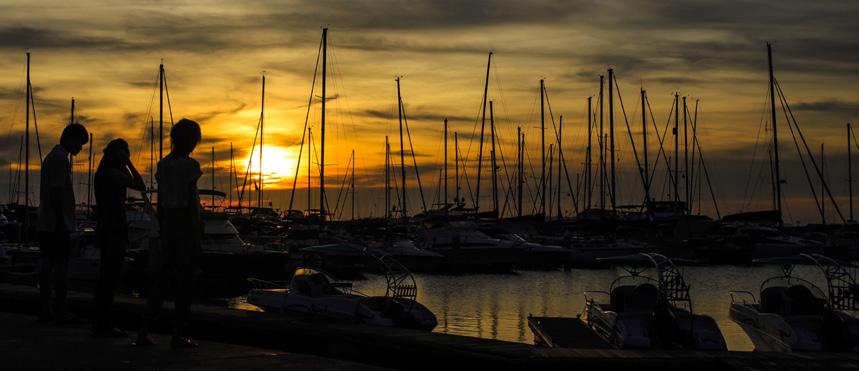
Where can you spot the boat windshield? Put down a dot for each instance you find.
(791, 296)
(314, 283)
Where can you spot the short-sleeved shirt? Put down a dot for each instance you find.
(110, 193)
(56, 174)
(177, 182)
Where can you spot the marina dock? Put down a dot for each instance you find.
(405, 349)
(30, 345)
(560, 332)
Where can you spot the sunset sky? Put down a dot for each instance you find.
(106, 56)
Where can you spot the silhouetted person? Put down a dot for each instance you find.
(56, 221)
(181, 229)
(115, 174)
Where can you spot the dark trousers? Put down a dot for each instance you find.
(112, 245)
(174, 261)
(53, 273)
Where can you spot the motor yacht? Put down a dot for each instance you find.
(313, 292)
(791, 313)
(655, 311)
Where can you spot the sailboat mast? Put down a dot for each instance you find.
(542, 148)
(482, 128)
(775, 134)
(850, 171)
(17, 189)
(152, 153)
(89, 178)
(588, 162)
(691, 175)
(456, 166)
(230, 186)
(772, 176)
(549, 179)
(494, 164)
(71, 156)
(686, 156)
(213, 178)
(322, 139)
(611, 136)
(445, 161)
(602, 148)
(387, 178)
(261, 124)
(676, 145)
(161, 111)
(27, 157)
(644, 140)
(403, 210)
(353, 184)
(560, 161)
(309, 167)
(519, 171)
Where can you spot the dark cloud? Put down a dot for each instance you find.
(408, 154)
(843, 108)
(419, 115)
(17, 37)
(10, 145)
(8, 93)
(206, 116)
(11, 94)
(421, 14)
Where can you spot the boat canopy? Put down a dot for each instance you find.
(841, 283)
(673, 289)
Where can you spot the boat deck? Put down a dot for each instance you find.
(561, 332)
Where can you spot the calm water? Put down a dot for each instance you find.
(497, 306)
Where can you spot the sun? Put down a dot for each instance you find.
(278, 166)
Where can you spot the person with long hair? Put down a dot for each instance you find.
(115, 174)
(181, 232)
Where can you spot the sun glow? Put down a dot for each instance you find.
(278, 166)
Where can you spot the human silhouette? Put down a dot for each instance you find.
(177, 256)
(114, 175)
(56, 222)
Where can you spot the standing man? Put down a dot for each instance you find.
(115, 174)
(56, 222)
(181, 230)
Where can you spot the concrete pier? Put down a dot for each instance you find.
(409, 349)
(30, 345)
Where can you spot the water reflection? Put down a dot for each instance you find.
(497, 306)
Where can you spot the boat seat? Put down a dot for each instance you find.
(619, 297)
(772, 300)
(799, 301)
(302, 287)
(644, 298)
